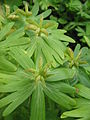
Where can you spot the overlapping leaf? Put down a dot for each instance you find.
(49, 41)
(38, 104)
(59, 97)
(82, 110)
(29, 80)
(78, 60)
(6, 65)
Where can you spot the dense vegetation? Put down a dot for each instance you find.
(45, 60)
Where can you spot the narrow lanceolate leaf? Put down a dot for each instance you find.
(6, 65)
(58, 43)
(59, 97)
(83, 77)
(62, 87)
(5, 30)
(11, 97)
(38, 104)
(16, 98)
(6, 78)
(15, 85)
(35, 9)
(60, 74)
(82, 102)
(66, 38)
(78, 113)
(15, 42)
(81, 111)
(58, 35)
(22, 58)
(45, 14)
(83, 91)
(46, 51)
(54, 45)
(15, 39)
(87, 40)
(19, 100)
(77, 49)
(14, 76)
(16, 34)
(32, 47)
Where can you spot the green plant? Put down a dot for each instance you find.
(44, 4)
(79, 60)
(81, 111)
(32, 80)
(44, 35)
(41, 77)
(84, 34)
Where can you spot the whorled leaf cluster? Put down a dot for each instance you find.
(36, 65)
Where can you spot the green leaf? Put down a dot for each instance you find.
(62, 99)
(57, 34)
(5, 78)
(13, 76)
(83, 91)
(66, 38)
(18, 99)
(16, 34)
(45, 14)
(88, 28)
(14, 85)
(19, 92)
(62, 87)
(76, 51)
(81, 112)
(6, 65)
(60, 74)
(38, 104)
(87, 40)
(83, 77)
(13, 2)
(75, 5)
(6, 29)
(16, 42)
(22, 58)
(15, 39)
(56, 46)
(82, 102)
(35, 9)
(47, 54)
(32, 47)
